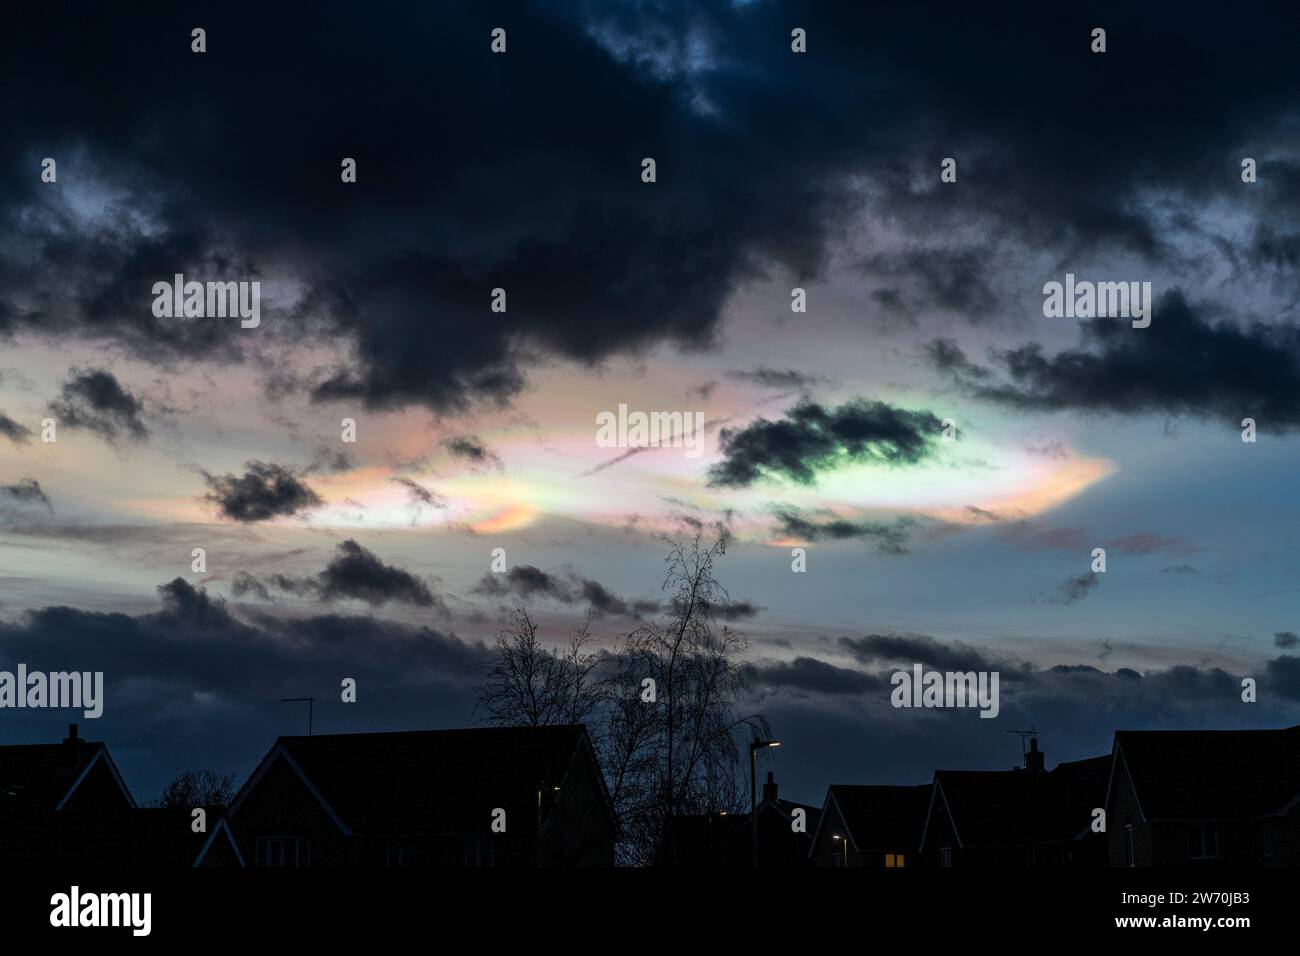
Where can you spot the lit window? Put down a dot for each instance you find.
(945, 856)
(893, 860)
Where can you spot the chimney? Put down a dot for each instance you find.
(1033, 756)
(769, 789)
(72, 740)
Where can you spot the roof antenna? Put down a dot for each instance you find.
(311, 703)
(1024, 735)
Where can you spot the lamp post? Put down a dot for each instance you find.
(754, 748)
(845, 858)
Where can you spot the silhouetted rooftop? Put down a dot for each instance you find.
(1212, 774)
(1022, 807)
(436, 781)
(883, 818)
(38, 776)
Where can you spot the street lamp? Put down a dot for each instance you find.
(540, 788)
(836, 836)
(754, 748)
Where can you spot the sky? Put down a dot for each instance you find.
(947, 456)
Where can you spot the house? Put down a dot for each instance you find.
(63, 803)
(1204, 797)
(708, 840)
(870, 826)
(501, 796)
(1026, 816)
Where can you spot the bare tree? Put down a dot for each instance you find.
(701, 683)
(663, 707)
(198, 788)
(530, 685)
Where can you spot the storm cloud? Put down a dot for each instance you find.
(266, 490)
(811, 438)
(95, 400)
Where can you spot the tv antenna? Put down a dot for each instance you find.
(1024, 735)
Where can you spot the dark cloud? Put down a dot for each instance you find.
(526, 582)
(358, 573)
(812, 438)
(471, 449)
(1282, 676)
(245, 583)
(403, 263)
(330, 461)
(908, 649)
(420, 496)
(192, 681)
(1075, 588)
(266, 490)
(784, 378)
(15, 432)
(703, 390)
(1285, 639)
(355, 573)
(26, 491)
(888, 537)
(1183, 364)
(947, 356)
(95, 400)
(738, 611)
(809, 674)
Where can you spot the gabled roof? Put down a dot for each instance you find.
(1021, 807)
(219, 832)
(1210, 774)
(430, 781)
(38, 777)
(879, 817)
(786, 808)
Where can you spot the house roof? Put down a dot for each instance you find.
(1021, 807)
(1211, 774)
(164, 836)
(431, 781)
(36, 777)
(881, 818)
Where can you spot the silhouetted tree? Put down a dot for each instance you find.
(530, 685)
(198, 788)
(701, 683)
(668, 747)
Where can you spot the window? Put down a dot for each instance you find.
(1268, 837)
(893, 860)
(1203, 842)
(400, 853)
(1130, 848)
(283, 851)
(945, 856)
